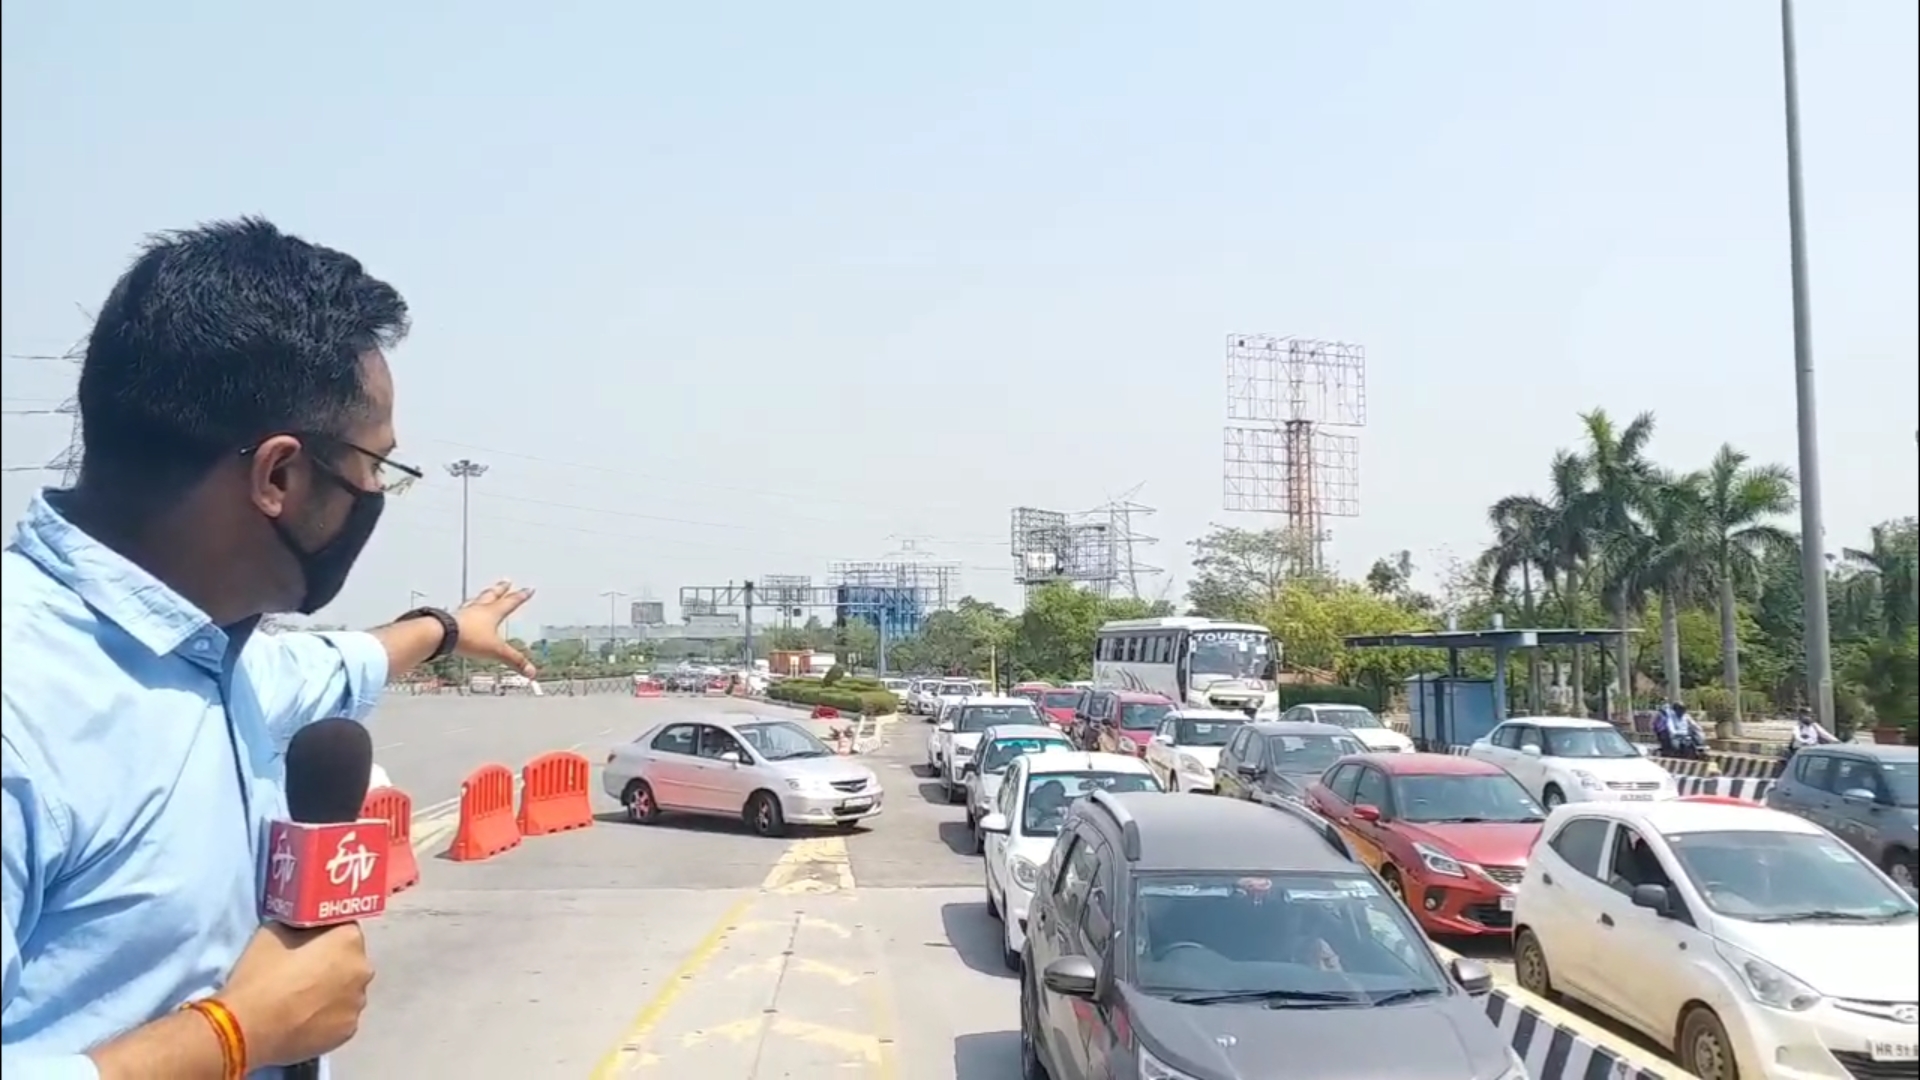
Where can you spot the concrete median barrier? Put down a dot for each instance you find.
(554, 794)
(1744, 788)
(487, 823)
(395, 807)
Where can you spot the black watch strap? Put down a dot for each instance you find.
(449, 629)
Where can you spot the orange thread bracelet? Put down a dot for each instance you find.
(233, 1041)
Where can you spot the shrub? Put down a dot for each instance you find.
(833, 676)
(849, 701)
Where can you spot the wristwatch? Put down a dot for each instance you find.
(449, 629)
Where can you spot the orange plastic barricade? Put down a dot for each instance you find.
(646, 688)
(486, 827)
(553, 794)
(825, 712)
(395, 807)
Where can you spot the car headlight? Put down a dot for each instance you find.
(807, 787)
(1588, 780)
(1152, 1068)
(1439, 862)
(1768, 984)
(1188, 764)
(1025, 873)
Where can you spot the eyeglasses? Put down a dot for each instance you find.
(390, 477)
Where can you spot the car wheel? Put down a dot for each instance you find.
(1553, 797)
(1704, 1049)
(955, 792)
(1031, 1065)
(638, 801)
(993, 903)
(1008, 954)
(1530, 966)
(1391, 875)
(764, 815)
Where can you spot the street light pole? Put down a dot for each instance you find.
(1813, 544)
(466, 470)
(613, 606)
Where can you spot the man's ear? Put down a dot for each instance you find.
(271, 479)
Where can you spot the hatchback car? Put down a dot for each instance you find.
(963, 722)
(1561, 759)
(1868, 796)
(1184, 752)
(771, 773)
(1366, 727)
(1448, 835)
(984, 772)
(1750, 942)
(1196, 939)
(1272, 762)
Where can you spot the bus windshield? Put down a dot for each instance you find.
(1236, 654)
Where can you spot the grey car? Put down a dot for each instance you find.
(1865, 795)
(1212, 940)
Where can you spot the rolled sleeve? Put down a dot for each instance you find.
(303, 677)
(32, 837)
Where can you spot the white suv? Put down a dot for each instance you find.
(1025, 821)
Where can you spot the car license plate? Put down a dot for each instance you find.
(855, 804)
(1506, 903)
(1638, 796)
(1893, 1051)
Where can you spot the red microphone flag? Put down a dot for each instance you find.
(320, 875)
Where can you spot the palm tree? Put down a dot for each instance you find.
(1568, 507)
(1677, 559)
(1522, 542)
(1740, 498)
(1890, 566)
(1621, 479)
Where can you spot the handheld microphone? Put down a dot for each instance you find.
(327, 866)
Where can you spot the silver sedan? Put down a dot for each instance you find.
(771, 773)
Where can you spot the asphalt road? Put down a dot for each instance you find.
(684, 949)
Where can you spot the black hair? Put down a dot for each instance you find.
(215, 338)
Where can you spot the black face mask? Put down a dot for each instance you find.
(325, 568)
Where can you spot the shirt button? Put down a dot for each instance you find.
(200, 645)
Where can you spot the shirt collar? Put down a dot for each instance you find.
(124, 594)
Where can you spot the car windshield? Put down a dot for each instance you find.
(1903, 782)
(1348, 718)
(1237, 654)
(1588, 742)
(1060, 699)
(1786, 877)
(1286, 940)
(1205, 732)
(982, 717)
(1001, 752)
(1142, 716)
(782, 740)
(1442, 798)
(1050, 794)
(948, 689)
(1298, 754)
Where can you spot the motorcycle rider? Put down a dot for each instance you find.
(1807, 732)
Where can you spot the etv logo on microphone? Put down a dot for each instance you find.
(318, 875)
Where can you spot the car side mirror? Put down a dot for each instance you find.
(995, 822)
(1530, 750)
(1367, 813)
(945, 728)
(1857, 796)
(1251, 772)
(1654, 898)
(1072, 976)
(733, 757)
(1473, 975)
(969, 768)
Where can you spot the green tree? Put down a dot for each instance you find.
(1237, 571)
(1741, 501)
(1620, 478)
(1053, 639)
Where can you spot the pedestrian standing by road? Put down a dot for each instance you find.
(238, 419)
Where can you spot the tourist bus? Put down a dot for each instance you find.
(1198, 663)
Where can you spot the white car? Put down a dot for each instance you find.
(923, 699)
(772, 773)
(1026, 819)
(1367, 729)
(998, 747)
(1751, 942)
(1561, 759)
(899, 688)
(1185, 749)
(957, 735)
(948, 691)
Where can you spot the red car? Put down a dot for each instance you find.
(1449, 835)
(1057, 704)
(1129, 726)
(1031, 691)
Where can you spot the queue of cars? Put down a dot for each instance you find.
(1150, 933)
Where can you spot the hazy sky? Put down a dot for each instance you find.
(734, 289)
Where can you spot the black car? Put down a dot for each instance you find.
(1275, 761)
(1210, 940)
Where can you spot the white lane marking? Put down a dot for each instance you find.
(455, 730)
(387, 746)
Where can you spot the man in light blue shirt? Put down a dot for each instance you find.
(237, 411)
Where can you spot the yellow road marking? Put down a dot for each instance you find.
(629, 1052)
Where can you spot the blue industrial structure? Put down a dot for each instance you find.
(897, 612)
